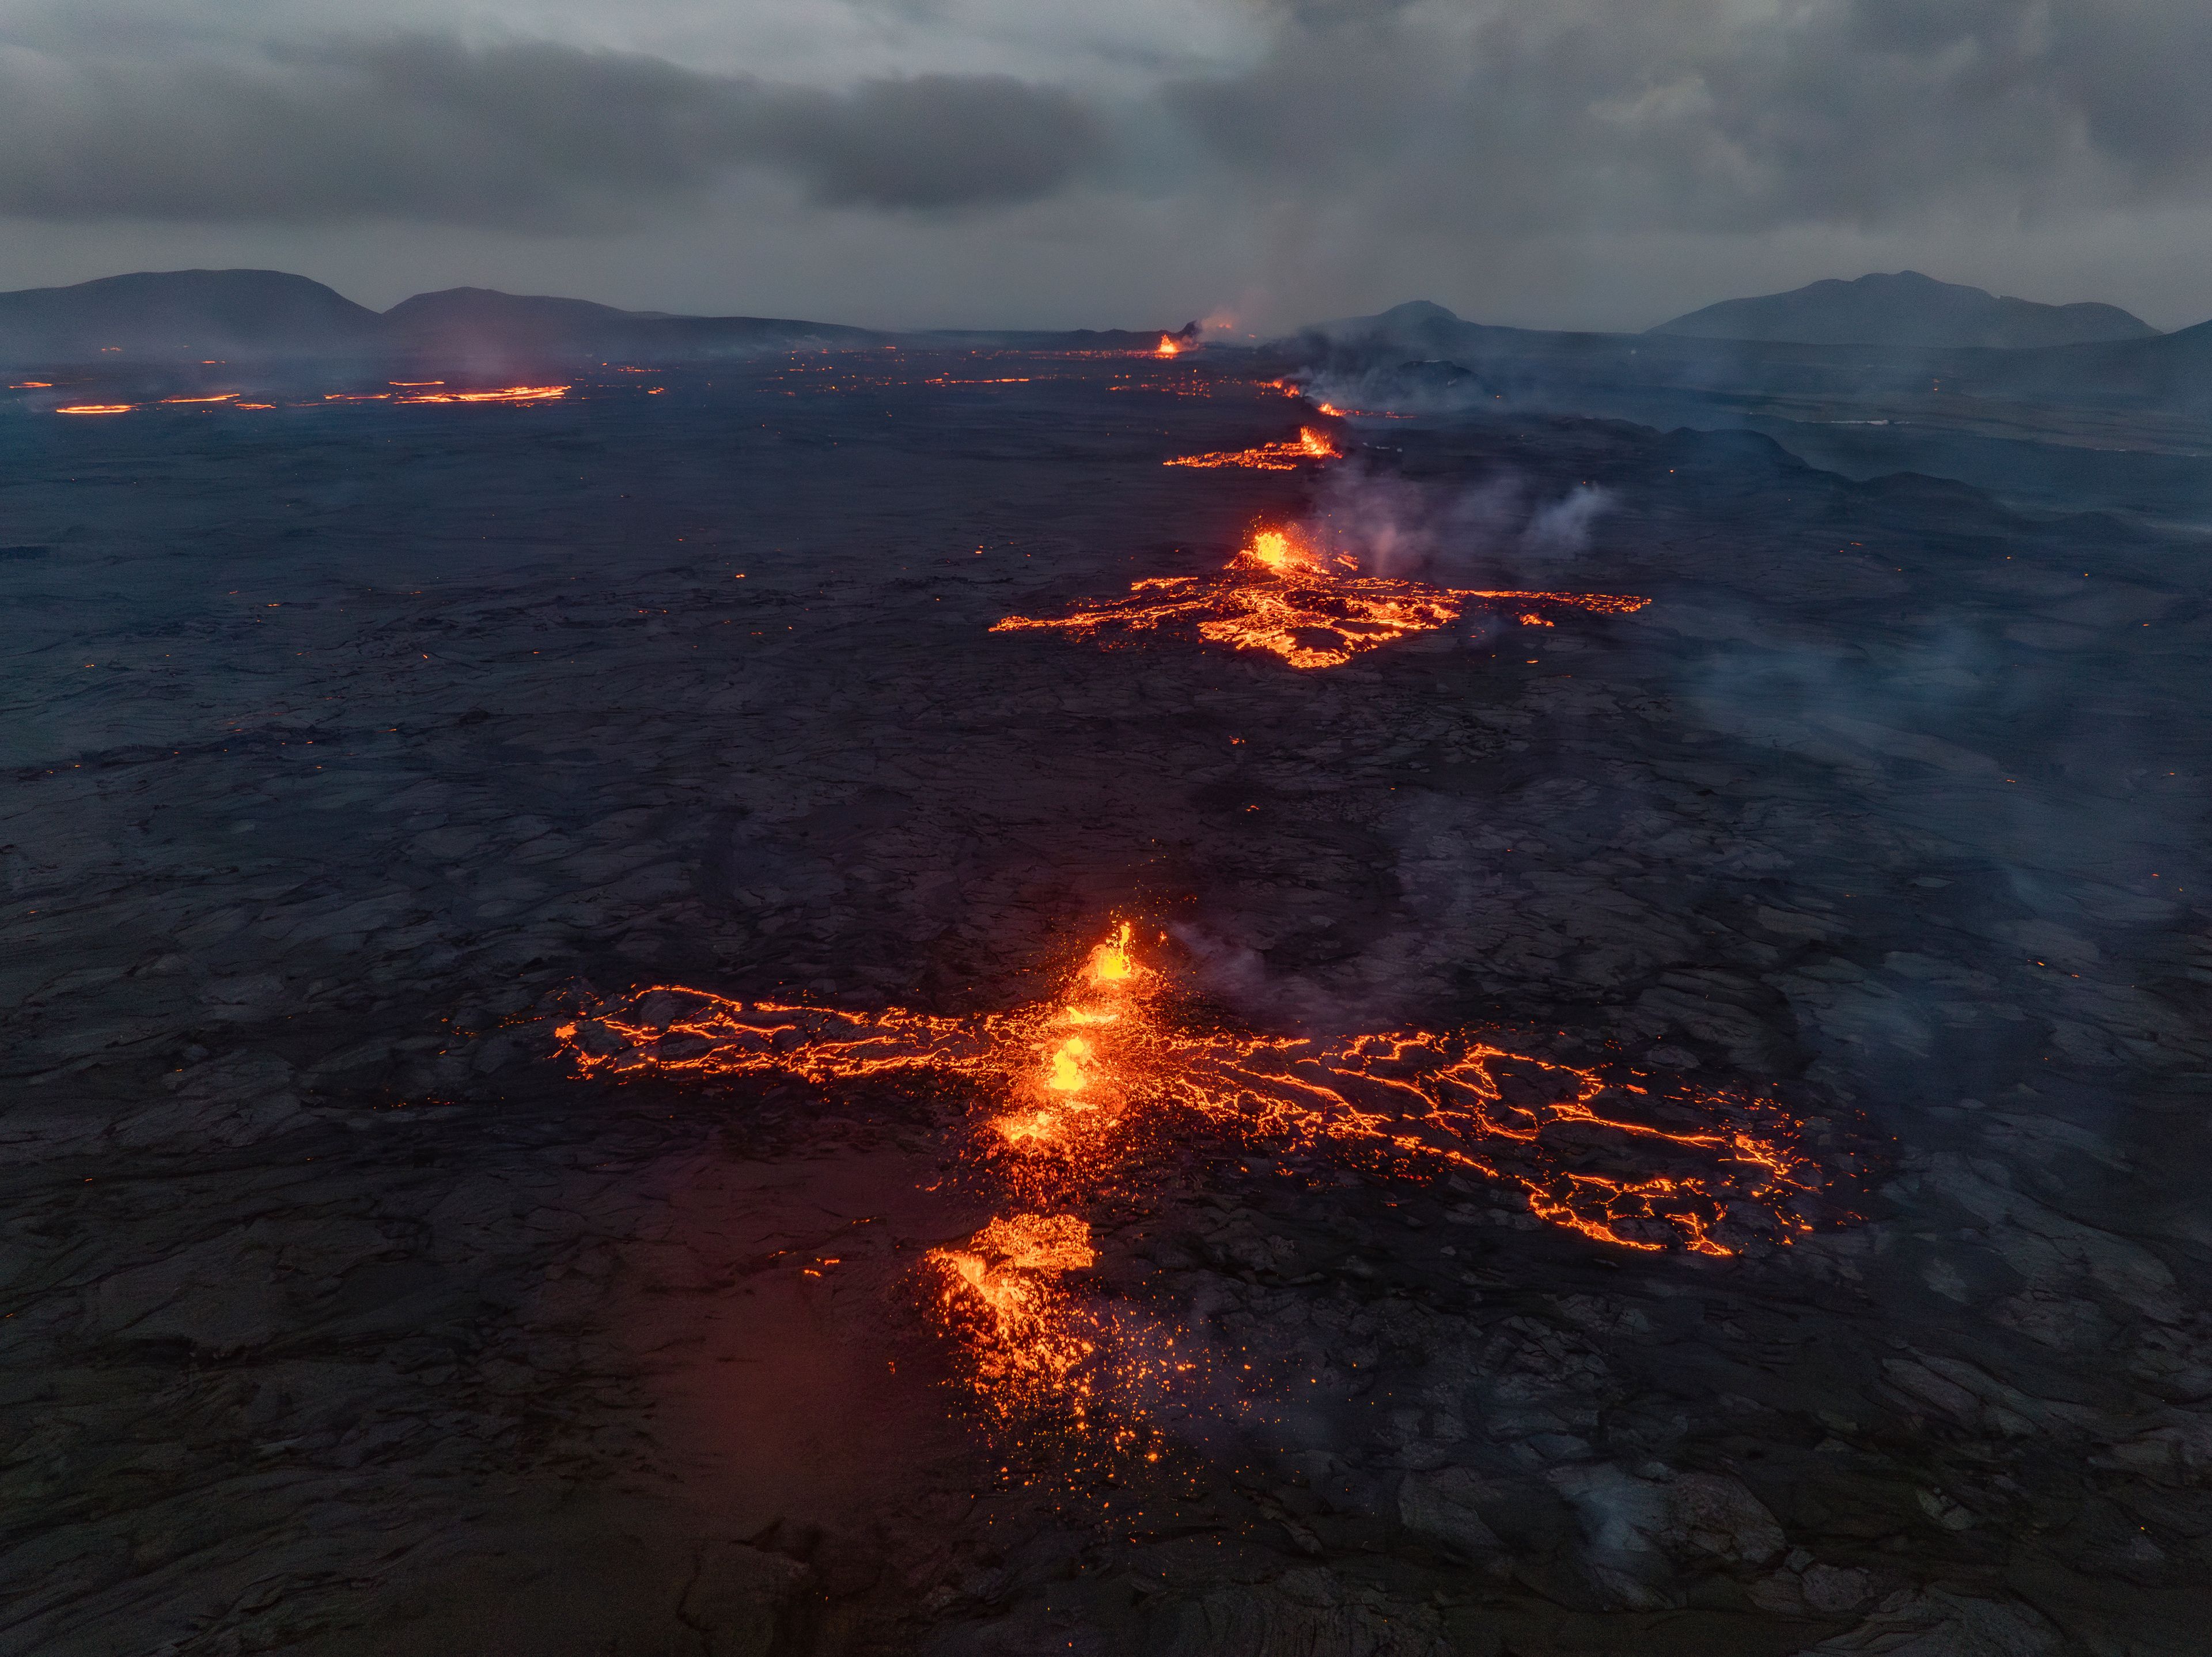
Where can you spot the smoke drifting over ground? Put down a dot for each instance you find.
(1497, 532)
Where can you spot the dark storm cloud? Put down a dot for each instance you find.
(933, 141)
(529, 134)
(1474, 119)
(1715, 115)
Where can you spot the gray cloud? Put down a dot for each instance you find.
(933, 140)
(1712, 116)
(528, 134)
(1677, 115)
(1555, 162)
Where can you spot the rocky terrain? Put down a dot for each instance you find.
(349, 747)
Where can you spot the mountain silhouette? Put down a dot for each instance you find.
(162, 313)
(1905, 310)
(268, 313)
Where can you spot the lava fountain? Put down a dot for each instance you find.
(1281, 595)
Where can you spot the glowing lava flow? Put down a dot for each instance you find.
(1309, 447)
(504, 394)
(1279, 596)
(1102, 1088)
(1167, 347)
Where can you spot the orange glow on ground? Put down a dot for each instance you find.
(1281, 595)
(1105, 1086)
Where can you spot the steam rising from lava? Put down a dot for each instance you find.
(1103, 1087)
(1282, 594)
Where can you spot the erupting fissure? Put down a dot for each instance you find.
(1282, 596)
(1307, 449)
(1100, 1088)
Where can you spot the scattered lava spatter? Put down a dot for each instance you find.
(1101, 1087)
(1281, 595)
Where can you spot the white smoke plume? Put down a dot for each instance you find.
(1486, 533)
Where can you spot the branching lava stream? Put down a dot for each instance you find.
(1109, 1082)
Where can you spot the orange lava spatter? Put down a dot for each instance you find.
(1280, 596)
(1027, 1346)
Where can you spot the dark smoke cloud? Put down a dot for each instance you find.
(528, 134)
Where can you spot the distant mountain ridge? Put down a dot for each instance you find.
(247, 313)
(1381, 355)
(157, 311)
(1907, 309)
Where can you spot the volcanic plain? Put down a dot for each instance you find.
(357, 750)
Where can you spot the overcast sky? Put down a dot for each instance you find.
(1558, 163)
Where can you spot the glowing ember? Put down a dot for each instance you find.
(96, 408)
(1309, 447)
(1281, 595)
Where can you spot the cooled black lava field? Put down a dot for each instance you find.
(354, 754)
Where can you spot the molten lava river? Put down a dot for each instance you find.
(1282, 594)
(1109, 1087)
